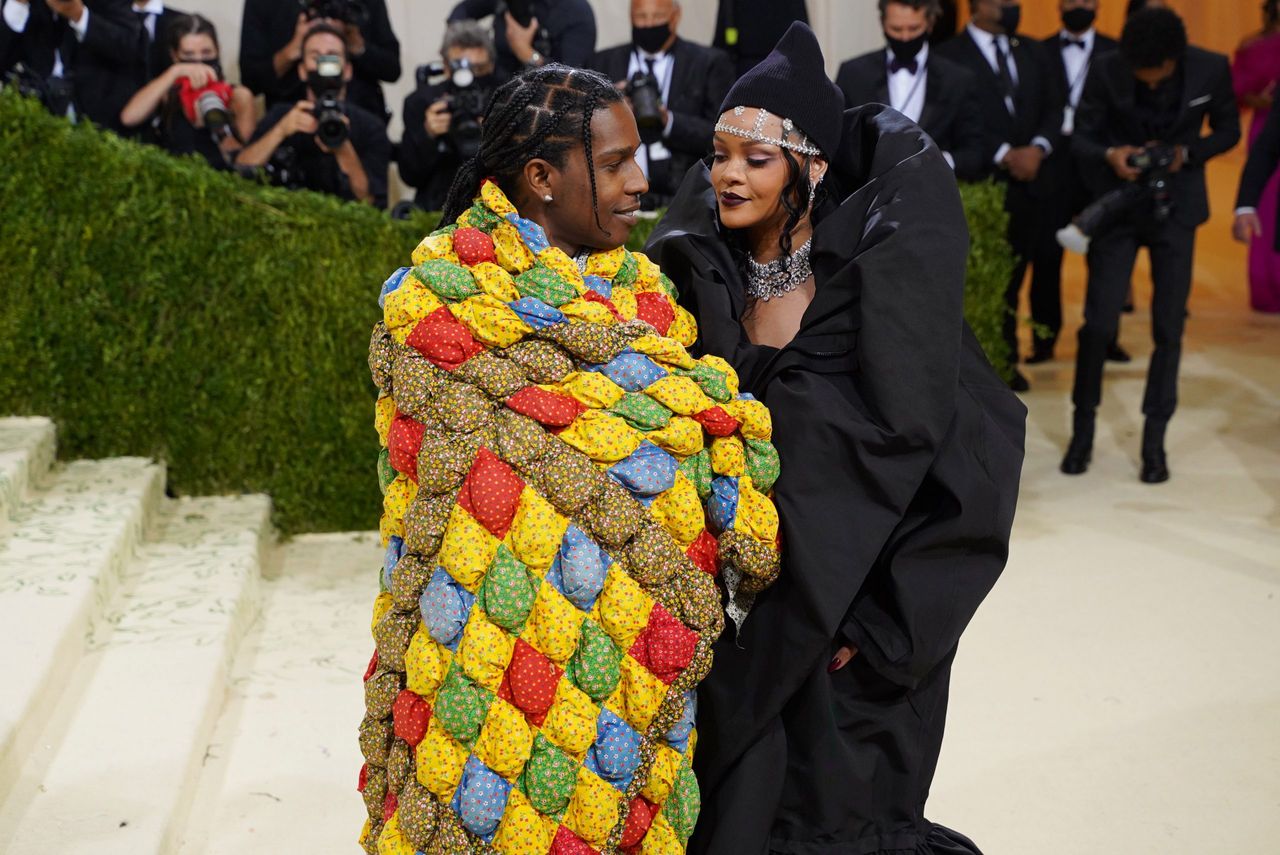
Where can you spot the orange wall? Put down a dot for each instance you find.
(1215, 24)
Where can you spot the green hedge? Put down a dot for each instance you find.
(155, 307)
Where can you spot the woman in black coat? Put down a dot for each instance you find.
(821, 722)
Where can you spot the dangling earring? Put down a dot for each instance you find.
(547, 198)
(813, 191)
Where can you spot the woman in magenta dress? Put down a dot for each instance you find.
(1256, 71)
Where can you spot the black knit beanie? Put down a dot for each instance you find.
(792, 82)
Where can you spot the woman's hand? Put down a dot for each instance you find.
(198, 73)
(842, 658)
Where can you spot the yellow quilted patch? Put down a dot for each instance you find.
(681, 395)
(392, 840)
(562, 265)
(384, 413)
(536, 531)
(407, 305)
(662, 775)
(602, 436)
(728, 456)
(755, 418)
(624, 301)
(381, 606)
(757, 515)
(440, 760)
(588, 312)
(495, 281)
(647, 274)
(523, 831)
(593, 810)
(510, 250)
(467, 549)
(663, 350)
(679, 511)
(490, 321)
(505, 740)
(624, 607)
(682, 436)
(435, 246)
(639, 695)
(684, 329)
(571, 720)
(485, 651)
(554, 625)
(495, 200)
(591, 388)
(661, 839)
(607, 264)
(425, 662)
(730, 376)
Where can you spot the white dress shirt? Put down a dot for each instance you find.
(16, 15)
(1076, 61)
(989, 43)
(153, 9)
(664, 67)
(907, 90)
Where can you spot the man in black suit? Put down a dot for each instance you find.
(1071, 52)
(691, 82)
(1021, 123)
(1264, 159)
(155, 16)
(271, 36)
(86, 48)
(934, 92)
(555, 31)
(747, 30)
(1155, 90)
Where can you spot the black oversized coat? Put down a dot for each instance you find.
(901, 454)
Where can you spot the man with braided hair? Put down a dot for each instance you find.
(564, 484)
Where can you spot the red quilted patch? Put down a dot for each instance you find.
(412, 714)
(545, 407)
(704, 553)
(638, 821)
(665, 646)
(473, 246)
(597, 297)
(404, 440)
(389, 805)
(568, 843)
(717, 421)
(364, 778)
(491, 493)
(655, 309)
(443, 339)
(530, 682)
(373, 666)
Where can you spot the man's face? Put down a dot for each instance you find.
(651, 13)
(477, 58)
(1068, 5)
(323, 44)
(1153, 77)
(986, 13)
(904, 23)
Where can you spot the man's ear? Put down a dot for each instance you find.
(541, 178)
(348, 71)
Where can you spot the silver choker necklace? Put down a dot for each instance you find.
(780, 276)
(581, 260)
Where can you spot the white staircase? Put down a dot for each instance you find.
(121, 613)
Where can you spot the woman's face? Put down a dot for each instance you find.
(570, 220)
(749, 178)
(199, 47)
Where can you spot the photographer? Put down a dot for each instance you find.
(273, 31)
(1140, 120)
(535, 32)
(190, 108)
(79, 54)
(441, 120)
(675, 89)
(337, 148)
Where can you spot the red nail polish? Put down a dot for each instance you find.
(834, 666)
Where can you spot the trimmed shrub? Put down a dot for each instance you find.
(155, 307)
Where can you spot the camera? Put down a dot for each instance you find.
(209, 105)
(53, 93)
(646, 103)
(468, 96)
(326, 82)
(1152, 186)
(349, 11)
(280, 171)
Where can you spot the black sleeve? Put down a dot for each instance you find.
(114, 33)
(966, 146)
(473, 10)
(258, 45)
(1224, 118)
(270, 120)
(374, 150)
(574, 42)
(692, 132)
(1264, 157)
(381, 57)
(419, 153)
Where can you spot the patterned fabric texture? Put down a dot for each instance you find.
(563, 485)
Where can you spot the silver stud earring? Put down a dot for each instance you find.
(547, 198)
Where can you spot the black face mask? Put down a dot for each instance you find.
(1010, 18)
(651, 39)
(905, 50)
(216, 65)
(1078, 20)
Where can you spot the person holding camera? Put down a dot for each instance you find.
(78, 55)
(530, 33)
(273, 31)
(189, 106)
(337, 148)
(674, 87)
(441, 120)
(932, 91)
(1140, 124)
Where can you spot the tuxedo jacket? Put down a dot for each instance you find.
(1264, 159)
(102, 66)
(1107, 117)
(154, 57)
(951, 113)
(1037, 105)
(1102, 45)
(700, 79)
(1060, 173)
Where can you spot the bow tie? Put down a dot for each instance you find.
(896, 65)
(1067, 41)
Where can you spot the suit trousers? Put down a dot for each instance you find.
(1065, 198)
(1021, 207)
(1171, 248)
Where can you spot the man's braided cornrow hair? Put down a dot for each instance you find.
(533, 115)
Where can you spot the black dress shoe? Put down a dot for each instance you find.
(1040, 353)
(1019, 383)
(1116, 353)
(1076, 460)
(1155, 469)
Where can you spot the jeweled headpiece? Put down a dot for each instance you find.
(791, 138)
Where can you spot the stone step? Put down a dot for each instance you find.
(120, 757)
(282, 765)
(59, 564)
(27, 447)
